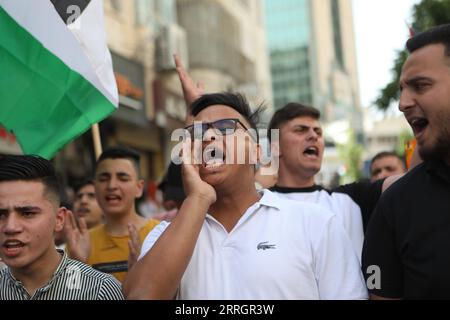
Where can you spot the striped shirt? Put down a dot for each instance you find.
(72, 280)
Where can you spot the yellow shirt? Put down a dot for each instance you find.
(110, 254)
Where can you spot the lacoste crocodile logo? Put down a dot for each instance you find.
(265, 246)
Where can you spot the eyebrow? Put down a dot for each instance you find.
(22, 209)
(123, 174)
(79, 194)
(304, 126)
(28, 208)
(107, 174)
(413, 81)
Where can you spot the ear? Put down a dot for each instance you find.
(275, 149)
(60, 219)
(140, 188)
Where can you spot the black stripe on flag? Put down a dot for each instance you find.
(70, 10)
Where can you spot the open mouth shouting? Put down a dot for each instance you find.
(311, 152)
(418, 125)
(213, 157)
(12, 248)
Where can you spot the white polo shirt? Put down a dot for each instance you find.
(279, 249)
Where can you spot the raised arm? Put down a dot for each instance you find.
(191, 90)
(158, 274)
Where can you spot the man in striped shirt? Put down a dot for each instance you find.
(29, 217)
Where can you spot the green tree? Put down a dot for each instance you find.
(426, 14)
(351, 154)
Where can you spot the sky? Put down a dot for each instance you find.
(380, 30)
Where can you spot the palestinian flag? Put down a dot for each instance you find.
(56, 76)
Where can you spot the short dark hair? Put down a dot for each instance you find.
(235, 101)
(121, 152)
(33, 169)
(172, 184)
(385, 154)
(81, 184)
(289, 112)
(436, 35)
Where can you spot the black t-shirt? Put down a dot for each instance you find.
(408, 237)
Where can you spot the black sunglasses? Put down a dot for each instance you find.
(222, 127)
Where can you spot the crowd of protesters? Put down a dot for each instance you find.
(227, 230)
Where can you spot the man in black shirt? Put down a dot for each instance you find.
(407, 247)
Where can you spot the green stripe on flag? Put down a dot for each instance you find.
(43, 102)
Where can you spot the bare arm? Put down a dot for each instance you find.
(191, 90)
(158, 274)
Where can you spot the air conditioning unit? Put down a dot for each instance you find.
(171, 39)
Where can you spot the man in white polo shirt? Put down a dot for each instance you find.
(299, 150)
(230, 242)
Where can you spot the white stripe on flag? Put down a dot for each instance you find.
(89, 30)
(41, 20)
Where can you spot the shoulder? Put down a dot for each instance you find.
(90, 274)
(3, 274)
(150, 224)
(156, 230)
(339, 196)
(401, 200)
(330, 199)
(106, 286)
(152, 236)
(415, 175)
(405, 185)
(362, 186)
(296, 209)
(311, 222)
(4, 283)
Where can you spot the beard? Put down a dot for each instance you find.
(440, 150)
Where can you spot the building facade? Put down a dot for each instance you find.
(289, 41)
(132, 30)
(313, 56)
(222, 43)
(313, 62)
(227, 46)
(142, 36)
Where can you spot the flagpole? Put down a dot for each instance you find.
(97, 141)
